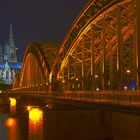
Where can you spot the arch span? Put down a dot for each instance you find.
(36, 65)
(100, 49)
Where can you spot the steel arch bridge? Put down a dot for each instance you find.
(37, 64)
(100, 52)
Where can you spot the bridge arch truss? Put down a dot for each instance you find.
(36, 67)
(100, 50)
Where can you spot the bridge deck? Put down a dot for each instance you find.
(129, 98)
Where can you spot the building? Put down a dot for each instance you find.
(9, 64)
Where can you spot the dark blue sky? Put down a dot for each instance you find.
(37, 20)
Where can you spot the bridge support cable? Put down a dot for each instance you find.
(93, 87)
(83, 61)
(110, 82)
(135, 57)
(68, 67)
(104, 70)
(138, 41)
(75, 60)
(119, 51)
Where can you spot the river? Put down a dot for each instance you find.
(70, 125)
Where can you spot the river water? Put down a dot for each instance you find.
(70, 125)
(11, 127)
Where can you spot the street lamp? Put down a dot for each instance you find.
(77, 79)
(96, 76)
(128, 71)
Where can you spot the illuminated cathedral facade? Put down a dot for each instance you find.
(9, 64)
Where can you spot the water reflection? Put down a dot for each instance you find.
(3, 128)
(11, 124)
(13, 128)
(35, 124)
(70, 125)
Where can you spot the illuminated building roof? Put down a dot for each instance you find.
(12, 65)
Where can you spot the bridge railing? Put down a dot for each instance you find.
(131, 98)
(112, 97)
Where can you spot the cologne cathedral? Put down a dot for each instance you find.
(9, 64)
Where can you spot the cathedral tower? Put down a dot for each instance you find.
(8, 60)
(1, 51)
(12, 48)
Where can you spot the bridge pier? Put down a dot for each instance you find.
(13, 104)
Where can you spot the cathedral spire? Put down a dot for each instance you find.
(12, 48)
(11, 37)
(1, 52)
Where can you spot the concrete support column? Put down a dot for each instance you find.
(13, 106)
(93, 86)
(83, 64)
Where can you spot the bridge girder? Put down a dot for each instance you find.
(100, 51)
(36, 65)
(100, 45)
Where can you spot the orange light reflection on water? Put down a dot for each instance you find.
(35, 124)
(10, 122)
(35, 114)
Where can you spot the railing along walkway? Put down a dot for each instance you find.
(111, 97)
(129, 98)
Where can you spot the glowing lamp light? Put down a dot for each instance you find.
(125, 87)
(128, 71)
(97, 89)
(96, 76)
(35, 114)
(12, 102)
(29, 108)
(132, 85)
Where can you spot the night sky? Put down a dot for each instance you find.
(37, 20)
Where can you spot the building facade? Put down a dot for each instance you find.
(9, 64)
